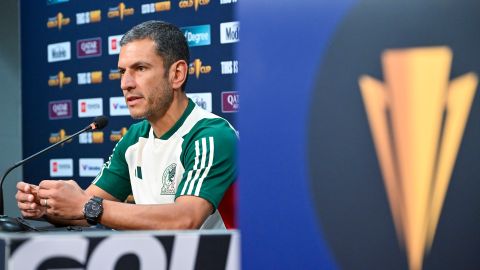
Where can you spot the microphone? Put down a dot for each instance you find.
(98, 123)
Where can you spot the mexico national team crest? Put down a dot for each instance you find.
(168, 180)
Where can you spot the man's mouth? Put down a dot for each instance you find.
(132, 100)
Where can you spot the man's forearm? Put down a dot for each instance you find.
(178, 215)
(57, 221)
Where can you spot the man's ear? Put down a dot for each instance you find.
(178, 73)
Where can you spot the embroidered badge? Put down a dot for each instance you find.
(168, 180)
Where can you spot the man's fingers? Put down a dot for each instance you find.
(27, 206)
(48, 184)
(24, 197)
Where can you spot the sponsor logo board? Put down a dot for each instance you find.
(93, 77)
(156, 7)
(58, 21)
(61, 167)
(120, 11)
(60, 109)
(114, 44)
(90, 47)
(198, 35)
(229, 32)
(230, 102)
(116, 135)
(60, 79)
(229, 67)
(59, 51)
(91, 137)
(90, 107)
(89, 167)
(197, 68)
(118, 106)
(203, 100)
(87, 17)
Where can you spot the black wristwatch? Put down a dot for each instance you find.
(92, 210)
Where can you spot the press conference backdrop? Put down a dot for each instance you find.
(69, 73)
(360, 134)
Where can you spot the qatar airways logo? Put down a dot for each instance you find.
(91, 47)
(61, 167)
(89, 167)
(60, 109)
(118, 106)
(90, 107)
(230, 102)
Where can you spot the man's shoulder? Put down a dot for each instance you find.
(135, 131)
(215, 127)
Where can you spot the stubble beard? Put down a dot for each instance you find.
(157, 103)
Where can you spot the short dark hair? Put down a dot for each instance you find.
(170, 42)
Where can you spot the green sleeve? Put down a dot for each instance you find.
(114, 177)
(209, 159)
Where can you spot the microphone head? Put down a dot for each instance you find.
(100, 122)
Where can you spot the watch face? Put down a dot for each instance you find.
(93, 209)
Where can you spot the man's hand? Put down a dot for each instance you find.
(62, 199)
(28, 202)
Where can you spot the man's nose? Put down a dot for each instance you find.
(127, 82)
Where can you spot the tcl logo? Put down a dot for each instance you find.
(55, 167)
(83, 107)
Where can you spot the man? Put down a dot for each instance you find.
(177, 163)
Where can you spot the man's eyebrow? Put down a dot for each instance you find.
(136, 64)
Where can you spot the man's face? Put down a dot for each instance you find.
(145, 83)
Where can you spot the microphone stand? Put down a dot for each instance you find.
(2, 210)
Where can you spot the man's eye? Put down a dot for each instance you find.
(140, 68)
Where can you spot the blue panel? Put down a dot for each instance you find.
(282, 45)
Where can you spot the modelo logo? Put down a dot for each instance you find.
(58, 52)
(89, 166)
(61, 167)
(90, 107)
(114, 44)
(91, 47)
(229, 32)
(118, 106)
(230, 102)
(61, 109)
(198, 35)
